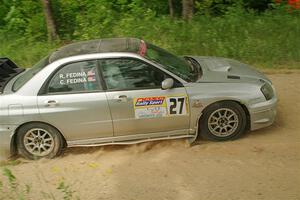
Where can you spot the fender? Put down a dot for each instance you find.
(199, 115)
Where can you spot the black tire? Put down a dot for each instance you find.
(210, 132)
(29, 130)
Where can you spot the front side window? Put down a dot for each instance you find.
(76, 77)
(127, 74)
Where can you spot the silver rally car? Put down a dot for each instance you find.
(124, 91)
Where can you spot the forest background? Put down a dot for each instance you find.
(264, 33)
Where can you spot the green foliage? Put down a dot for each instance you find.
(10, 176)
(22, 18)
(220, 28)
(1, 185)
(9, 163)
(66, 190)
(24, 51)
(11, 189)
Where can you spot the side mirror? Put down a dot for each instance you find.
(167, 84)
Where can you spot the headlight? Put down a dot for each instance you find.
(267, 90)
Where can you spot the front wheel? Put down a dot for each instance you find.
(37, 140)
(223, 121)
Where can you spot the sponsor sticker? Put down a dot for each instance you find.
(81, 77)
(150, 101)
(150, 107)
(160, 106)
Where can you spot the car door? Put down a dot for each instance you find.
(74, 102)
(138, 104)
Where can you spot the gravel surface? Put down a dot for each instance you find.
(264, 164)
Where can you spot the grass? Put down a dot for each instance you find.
(9, 163)
(24, 51)
(268, 40)
(11, 189)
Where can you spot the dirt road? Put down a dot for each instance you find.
(264, 164)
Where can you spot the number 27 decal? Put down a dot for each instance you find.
(177, 105)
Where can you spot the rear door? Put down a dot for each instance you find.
(138, 104)
(75, 102)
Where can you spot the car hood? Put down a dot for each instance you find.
(215, 69)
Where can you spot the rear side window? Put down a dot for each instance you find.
(76, 77)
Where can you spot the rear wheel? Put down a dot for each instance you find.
(223, 121)
(38, 140)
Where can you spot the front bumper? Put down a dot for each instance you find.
(6, 133)
(263, 114)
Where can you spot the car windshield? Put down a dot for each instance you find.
(28, 74)
(177, 65)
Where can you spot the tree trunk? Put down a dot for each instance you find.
(171, 8)
(51, 27)
(187, 9)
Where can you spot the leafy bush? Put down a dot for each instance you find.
(268, 38)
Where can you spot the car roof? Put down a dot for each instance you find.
(108, 45)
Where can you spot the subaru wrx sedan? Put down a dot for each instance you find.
(124, 91)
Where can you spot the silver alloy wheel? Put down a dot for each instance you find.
(223, 122)
(38, 142)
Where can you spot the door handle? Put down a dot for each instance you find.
(51, 103)
(121, 98)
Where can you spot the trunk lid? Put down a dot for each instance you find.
(8, 70)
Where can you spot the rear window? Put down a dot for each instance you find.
(27, 75)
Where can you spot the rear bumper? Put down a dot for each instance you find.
(263, 114)
(6, 133)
